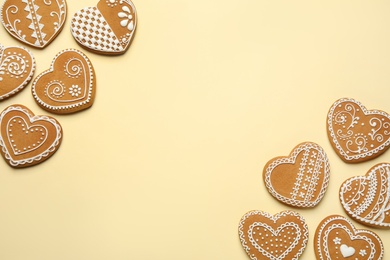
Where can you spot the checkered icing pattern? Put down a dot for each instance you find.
(90, 29)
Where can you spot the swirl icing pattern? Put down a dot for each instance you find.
(357, 134)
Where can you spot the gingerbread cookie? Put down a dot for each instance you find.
(264, 237)
(32, 22)
(27, 139)
(366, 198)
(336, 238)
(17, 66)
(357, 134)
(107, 28)
(68, 86)
(301, 179)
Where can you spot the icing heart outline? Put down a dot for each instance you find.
(333, 223)
(82, 69)
(41, 35)
(320, 175)
(378, 131)
(374, 184)
(105, 28)
(15, 64)
(6, 139)
(281, 220)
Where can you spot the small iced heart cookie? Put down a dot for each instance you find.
(107, 28)
(17, 66)
(357, 134)
(35, 23)
(68, 86)
(366, 198)
(27, 139)
(264, 237)
(301, 179)
(337, 238)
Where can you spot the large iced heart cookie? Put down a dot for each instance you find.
(337, 238)
(264, 237)
(301, 179)
(17, 66)
(34, 22)
(27, 139)
(366, 198)
(357, 134)
(107, 28)
(68, 86)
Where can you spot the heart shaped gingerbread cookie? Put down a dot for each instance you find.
(107, 28)
(17, 66)
(27, 139)
(301, 179)
(337, 238)
(283, 236)
(366, 198)
(357, 134)
(32, 22)
(68, 86)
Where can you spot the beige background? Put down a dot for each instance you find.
(170, 156)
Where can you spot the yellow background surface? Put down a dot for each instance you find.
(171, 154)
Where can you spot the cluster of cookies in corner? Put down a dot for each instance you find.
(301, 179)
(69, 85)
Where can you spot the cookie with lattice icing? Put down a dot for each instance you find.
(336, 238)
(27, 139)
(17, 66)
(282, 236)
(366, 198)
(68, 86)
(357, 134)
(300, 179)
(107, 28)
(35, 23)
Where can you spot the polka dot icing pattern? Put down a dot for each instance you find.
(357, 134)
(27, 139)
(68, 86)
(107, 28)
(366, 198)
(29, 22)
(283, 236)
(17, 66)
(337, 238)
(301, 179)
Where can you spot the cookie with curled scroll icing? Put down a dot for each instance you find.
(366, 198)
(337, 238)
(17, 66)
(35, 23)
(283, 236)
(356, 133)
(68, 86)
(107, 28)
(300, 179)
(27, 139)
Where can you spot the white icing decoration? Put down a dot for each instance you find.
(347, 251)
(375, 183)
(33, 119)
(313, 165)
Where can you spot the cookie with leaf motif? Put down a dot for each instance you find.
(107, 28)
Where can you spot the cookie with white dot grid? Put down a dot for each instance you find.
(68, 86)
(337, 238)
(356, 133)
(17, 66)
(107, 28)
(281, 236)
(27, 139)
(366, 198)
(35, 23)
(300, 179)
